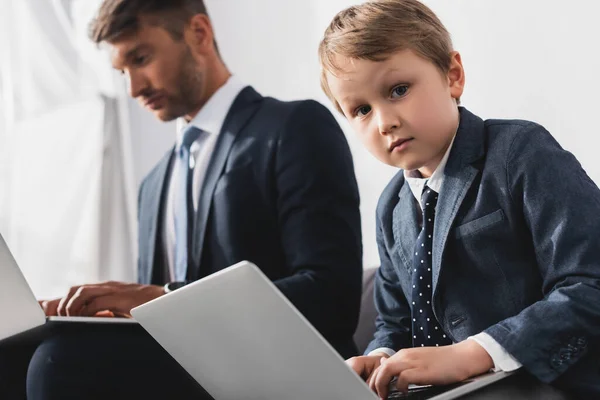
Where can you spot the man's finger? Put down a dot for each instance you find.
(105, 314)
(49, 307)
(115, 283)
(84, 295)
(62, 304)
(117, 302)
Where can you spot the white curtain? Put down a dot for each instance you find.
(67, 201)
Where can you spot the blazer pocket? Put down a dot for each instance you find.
(479, 224)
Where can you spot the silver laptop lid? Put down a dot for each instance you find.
(240, 338)
(19, 310)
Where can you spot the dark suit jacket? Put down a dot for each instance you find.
(516, 251)
(280, 191)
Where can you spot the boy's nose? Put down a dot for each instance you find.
(387, 119)
(387, 125)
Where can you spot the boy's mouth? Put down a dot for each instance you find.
(399, 144)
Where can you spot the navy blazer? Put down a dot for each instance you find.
(516, 251)
(279, 191)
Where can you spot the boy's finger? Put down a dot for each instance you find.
(385, 374)
(356, 364)
(407, 377)
(372, 376)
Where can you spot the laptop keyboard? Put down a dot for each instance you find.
(423, 393)
(414, 395)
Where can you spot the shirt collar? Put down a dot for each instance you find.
(416, 182)
(211, 116)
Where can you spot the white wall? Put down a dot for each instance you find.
(534, 59)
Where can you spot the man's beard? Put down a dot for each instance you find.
(188, 86)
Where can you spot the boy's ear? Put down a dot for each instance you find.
(456, 75)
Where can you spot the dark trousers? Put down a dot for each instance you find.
(95, 362)
(14, 361)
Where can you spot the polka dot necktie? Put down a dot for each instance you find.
(425, 328)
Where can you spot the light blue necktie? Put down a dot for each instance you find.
(184, 207)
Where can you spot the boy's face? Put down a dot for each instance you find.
(404, 109)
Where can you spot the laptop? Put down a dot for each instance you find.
(22, 316)
(240, 338)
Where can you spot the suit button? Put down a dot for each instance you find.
(564, 355)
(457, 321)
(556, 363)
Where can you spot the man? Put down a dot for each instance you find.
(250, 178)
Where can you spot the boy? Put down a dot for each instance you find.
(488, 236)
(243, 181)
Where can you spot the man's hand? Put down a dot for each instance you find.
(366, 365)
(116, 297)
(431, 366)
(49, 307)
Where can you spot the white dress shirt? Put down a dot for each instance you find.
(503, 361)
(210, 120)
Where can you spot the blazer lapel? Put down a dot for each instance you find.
(150, 212)
(406, 226)
(459, 174)
(243, 108)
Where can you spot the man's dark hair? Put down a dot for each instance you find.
(122, 17)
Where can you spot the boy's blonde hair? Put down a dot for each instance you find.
(377, 29)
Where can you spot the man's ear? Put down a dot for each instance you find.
(199, 34)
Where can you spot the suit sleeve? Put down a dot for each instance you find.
(561, 207)
(393, 326)
(318, 210)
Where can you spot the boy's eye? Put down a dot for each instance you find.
(399, 91)
(362, 111)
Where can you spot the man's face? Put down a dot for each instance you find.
(162, 73)
(403, 109)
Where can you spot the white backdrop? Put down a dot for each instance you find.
(67, 208)
(533, 59)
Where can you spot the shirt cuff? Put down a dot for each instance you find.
(385, 350)
(502, 360)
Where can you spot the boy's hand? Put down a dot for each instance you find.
(366, 365)
(431, 366)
